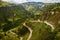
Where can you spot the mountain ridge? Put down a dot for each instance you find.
(33, 3)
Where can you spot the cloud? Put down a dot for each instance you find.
(21, 1)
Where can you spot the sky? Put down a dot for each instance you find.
(22, 1)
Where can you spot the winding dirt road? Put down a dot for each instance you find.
(45, 23)
(21, 38)
(49, 25)
(30, 35)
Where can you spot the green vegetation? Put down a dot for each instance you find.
(13, 16)
(40, 30)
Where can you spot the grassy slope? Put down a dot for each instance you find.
(36, 29)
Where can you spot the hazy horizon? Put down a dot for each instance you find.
(22, 1)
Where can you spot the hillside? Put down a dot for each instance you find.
(29, 21)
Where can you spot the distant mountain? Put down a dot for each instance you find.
(34, 3)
